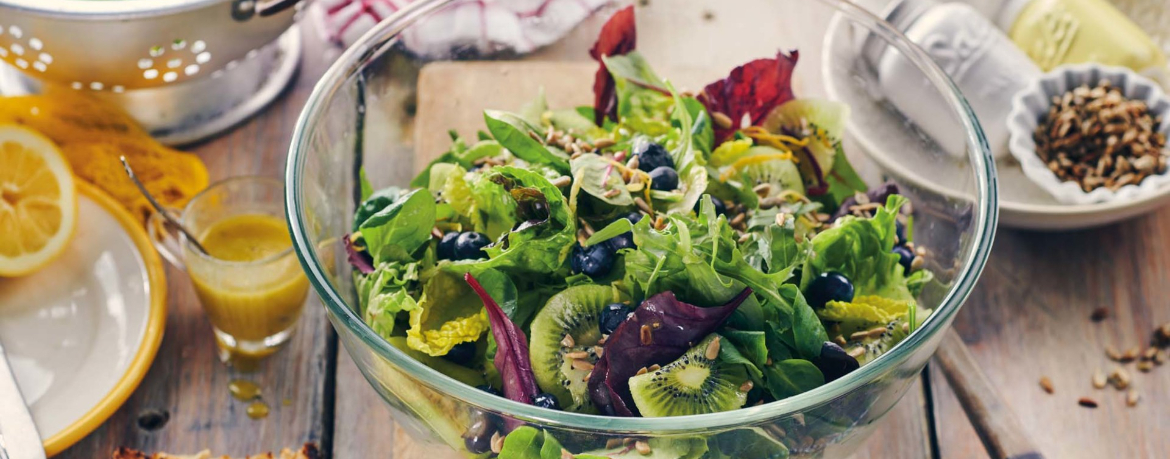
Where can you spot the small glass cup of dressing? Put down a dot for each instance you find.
(249, 282)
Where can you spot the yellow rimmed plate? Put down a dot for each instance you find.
(82, 332)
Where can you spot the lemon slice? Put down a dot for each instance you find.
(38, 201)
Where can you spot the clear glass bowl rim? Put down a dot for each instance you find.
(378, 40)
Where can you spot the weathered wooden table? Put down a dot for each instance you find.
(1028, 318)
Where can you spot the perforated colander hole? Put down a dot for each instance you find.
(35, 43)
(77, 85)
(40, 66)
(198, 47)
(150, 74)
(203, 58)
(145, 63)
(119, 89)
(25, 50)
(191, 69)
(22, 63)
(178, 44)
(170, 76)
(15, 31)
(156, 51)
(46, 58)
(3, 51)
(16, 49)
(96, 86)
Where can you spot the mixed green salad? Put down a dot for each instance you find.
(660, 253)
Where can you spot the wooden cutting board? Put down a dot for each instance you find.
(453, 95)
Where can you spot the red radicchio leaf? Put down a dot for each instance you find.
(618, 36)
(511, 352)
(679, 327)
(752, 89)
(359, 259)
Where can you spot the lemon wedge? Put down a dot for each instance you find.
(38, 201)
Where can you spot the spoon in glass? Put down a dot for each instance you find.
(159, 208)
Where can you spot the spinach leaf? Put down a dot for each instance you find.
(791, 377)
(752, 344)
(460, 154)
(513, 132)
(373, 203)
(396, 231)
(729, 354)
(808, 332)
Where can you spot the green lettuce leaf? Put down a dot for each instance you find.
(396, 231)
(860, 249)
(460, 154)
(458, 372)
(449, 312)
(538, 228)
(383, 294)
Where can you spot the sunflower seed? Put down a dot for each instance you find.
(603, 142)
(1087, 402)
(1046, 384)
(1132, 398)
(568, 341)
(576, 355)
(642, 447)
(582, 365)
(722, 121)
(645, 335)
(1099, 380)
(562, 181)
(497, 443)
(712, 349)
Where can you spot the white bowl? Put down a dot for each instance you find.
(1031, 105)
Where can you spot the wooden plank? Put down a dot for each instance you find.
(1029, 318)
(187, 381)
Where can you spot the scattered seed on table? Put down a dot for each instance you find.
(1119, 378)
(1112, 354)
(1046, 384)
(1131, 354)
(1099, 380)
(1145, 366)
(1099, 314)
(1132, 398)
(1087, 402)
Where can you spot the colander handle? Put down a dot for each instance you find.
(272, 7)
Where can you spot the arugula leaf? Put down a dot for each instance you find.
(842, 179)
(513, 132)
(729, 354)
(634, 68)
(614, 229)
(396, 231)
(918, 280)
(596, 176)
(511, 355)
(366, 187)
(787, 378)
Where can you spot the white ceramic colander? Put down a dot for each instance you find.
(157, 58)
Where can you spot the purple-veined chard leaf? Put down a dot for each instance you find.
(661, 330)
(359, 259)
(511, 352)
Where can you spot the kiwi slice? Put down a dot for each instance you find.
(820, 121)
(875, 345)
(562, 370)
(762, 164)
(693, 384)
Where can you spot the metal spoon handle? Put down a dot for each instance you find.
(159, 208)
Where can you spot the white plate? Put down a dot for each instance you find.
(1022, 203)
(82, 332)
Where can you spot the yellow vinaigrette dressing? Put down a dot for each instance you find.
(248, 302)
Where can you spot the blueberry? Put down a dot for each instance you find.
(612, 316)
(462, 354)
(634, 217)
(595, 260)
(905, 257)
(546, 400)
(720, 207)
(447, 246)
(478, 436)
(651, 155)
(489, 389)
(829, 286)
(621, 241)
(834, 362)
(469, 246)
(900, 232)
(663, 178)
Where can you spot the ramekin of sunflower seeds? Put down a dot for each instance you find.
(1091, 134)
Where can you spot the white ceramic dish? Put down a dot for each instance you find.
(1030, 106)
(1023, 204)
(82, 332)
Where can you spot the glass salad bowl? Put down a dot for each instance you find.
(383, 110)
